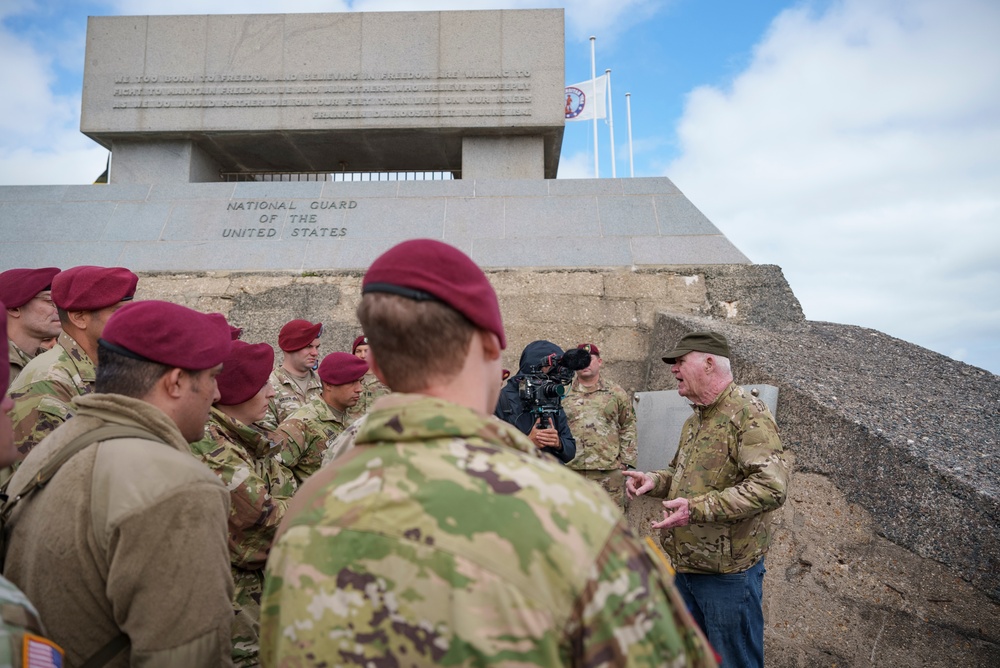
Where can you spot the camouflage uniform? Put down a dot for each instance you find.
(20, 628)
(444, 538)
(43, 391)
(603, 424)
(260, 487)
(18, 360)
(342, 443)
(732, 469)
(288, 397)
(306, 435)
(371, 389)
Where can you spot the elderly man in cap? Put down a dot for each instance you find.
(602, 421)
(32, 318)
(443, 537)
(307, 433)
(371, 387)
(728, 475)
(21, 629)
(295, 382)
(123, 550)
(246, 462)
(86, 297)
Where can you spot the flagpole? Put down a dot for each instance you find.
(628, 112)
(611, 124)
(593, 76)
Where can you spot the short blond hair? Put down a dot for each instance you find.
(415, 343)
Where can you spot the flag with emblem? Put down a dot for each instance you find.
(587, 100)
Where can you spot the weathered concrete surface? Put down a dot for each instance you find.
(837, 593)
(614, 307)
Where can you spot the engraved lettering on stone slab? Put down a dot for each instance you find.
(396, 95)
(302, 220)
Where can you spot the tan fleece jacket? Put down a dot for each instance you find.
(128, 537)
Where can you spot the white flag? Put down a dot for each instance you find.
(587, 100)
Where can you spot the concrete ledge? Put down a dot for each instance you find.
(312, 226)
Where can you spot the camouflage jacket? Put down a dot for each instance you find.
(18, 360)
(44, 389)
(306, 434)
(259, 485)
(732, 469)
(371, 389)
(21, 631)
(342, 443)
(444, 538)
(288, 397)
(603, 424)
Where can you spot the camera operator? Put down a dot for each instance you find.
(514, 408)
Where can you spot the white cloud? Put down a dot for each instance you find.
(859, 151)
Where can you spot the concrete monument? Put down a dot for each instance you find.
(181, 98)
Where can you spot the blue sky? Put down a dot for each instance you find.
(854, 143)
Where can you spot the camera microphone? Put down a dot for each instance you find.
(576, 359)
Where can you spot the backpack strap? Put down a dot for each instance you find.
(105, 432)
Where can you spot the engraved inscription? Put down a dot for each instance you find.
(336, 95)
(288, 219)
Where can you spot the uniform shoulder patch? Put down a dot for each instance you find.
(39, 652)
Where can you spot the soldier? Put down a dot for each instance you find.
(295, 382)
(86, 297)
(123, 550)
(245, 461)
(21, 631)
(371, 387)
(307, 433)
(31, 316)
(603, 423)
(443, 537)
(727, 477)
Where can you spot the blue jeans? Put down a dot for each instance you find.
(728, 609)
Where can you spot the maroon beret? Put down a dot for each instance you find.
(88, 288)
(298, 334)
(590, 348)
(4, 368)
(19, 286)
(236, 332)
(244, 372)
(341, 368)
(361, 340)
(169, 334)
(424, 269)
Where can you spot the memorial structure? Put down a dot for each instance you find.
(231, 138)
(207, 117)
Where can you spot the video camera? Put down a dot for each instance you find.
(542, 392)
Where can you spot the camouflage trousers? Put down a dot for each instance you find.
(613, 482)
(246, 622)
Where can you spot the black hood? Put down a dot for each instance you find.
(534, 353)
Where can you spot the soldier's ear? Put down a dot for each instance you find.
(491, 344)
(171, 383)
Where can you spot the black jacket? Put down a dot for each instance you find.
(510, 408)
